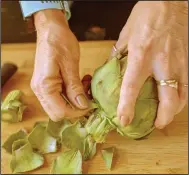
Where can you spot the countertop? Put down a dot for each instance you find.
(164, 152)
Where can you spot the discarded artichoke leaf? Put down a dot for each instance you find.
(23, 157)
(55, 128)
(13, 95)
(21, 134)
(76, 137)
(107, 155)
(68, 162)
(12, 114)
(9, 116)
(73, 136)
(20, 112)
(15, 103)
(12, 108)
(41, 140)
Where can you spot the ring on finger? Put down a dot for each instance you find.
(171, 83)
(118, 53)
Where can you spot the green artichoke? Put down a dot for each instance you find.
(105, 87)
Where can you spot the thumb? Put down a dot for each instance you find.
(76, 94)
(73, 85)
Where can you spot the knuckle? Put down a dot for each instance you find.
(164, 57)
(137, 53)
(74, 85)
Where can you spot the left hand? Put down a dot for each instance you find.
(156, 37)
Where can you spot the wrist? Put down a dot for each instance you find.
(45, 18)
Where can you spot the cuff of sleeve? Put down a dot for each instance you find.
(30, 7)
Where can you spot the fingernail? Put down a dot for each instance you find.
(124, 120)
(82, 101)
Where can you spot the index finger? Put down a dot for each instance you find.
(134, 78)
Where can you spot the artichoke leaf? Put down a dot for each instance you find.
(21, 134)
(12, 107)
(73, 136)
(143, 122)
(68, 162)
(107, 155)
(55, 129)
(23, 157)
(41, 140)
(76, 137)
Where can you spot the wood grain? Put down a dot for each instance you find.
(164, 152)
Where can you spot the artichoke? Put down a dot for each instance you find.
(105, 88)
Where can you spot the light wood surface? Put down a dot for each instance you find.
(164, 152)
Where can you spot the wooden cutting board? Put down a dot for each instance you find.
(164, 152)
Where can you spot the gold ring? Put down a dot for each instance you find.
(118, 53)
(171, 83)
(114, 47)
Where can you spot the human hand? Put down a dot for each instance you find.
(56, 69)
(156, 37)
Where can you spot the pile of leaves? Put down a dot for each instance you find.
(28, 148)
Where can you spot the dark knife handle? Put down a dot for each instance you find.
(7, 71)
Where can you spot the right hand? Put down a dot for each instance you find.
(57, 67)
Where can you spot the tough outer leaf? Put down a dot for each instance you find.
(23, 157)
(73, 137)
(12, 107)
(13, 95)
(41, 140)
(68, 162)
(21, 110)
(76, 137)
(55, 128)
(107, 155)
(21, 134)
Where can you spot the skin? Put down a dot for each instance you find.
(156, 37)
